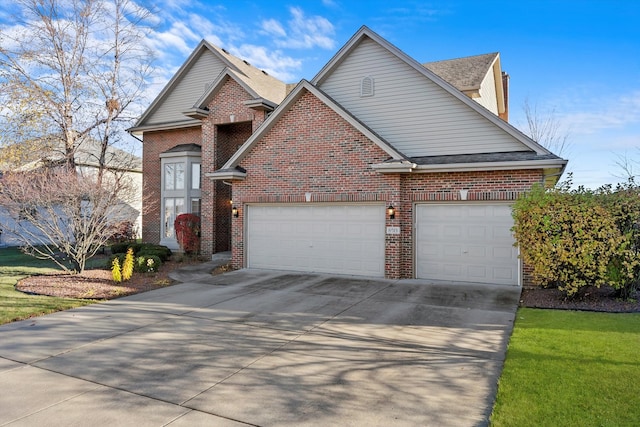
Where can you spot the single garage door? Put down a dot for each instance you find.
(345, 239)
(466, 242)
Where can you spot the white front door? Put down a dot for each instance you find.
(328, 238)
(466, 242)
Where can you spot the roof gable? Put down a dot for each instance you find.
(479, 77)
(414, 109)
(195, 77)
(228, 171)
(466, 74)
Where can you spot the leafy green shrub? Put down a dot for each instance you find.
(576, 238)
(142, 249)
(120, 248)
(148, 263)
(115, 271)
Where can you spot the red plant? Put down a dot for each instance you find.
(187, 228)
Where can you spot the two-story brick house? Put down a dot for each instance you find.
(378, 166)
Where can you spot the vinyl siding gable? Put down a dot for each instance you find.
(187, 90)
(488, 97)
(409, 110)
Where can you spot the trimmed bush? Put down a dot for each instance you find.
(160, 251)
(577, 238)
(187, 228)
(148, 263)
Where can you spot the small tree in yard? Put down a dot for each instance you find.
(70, 70)
(63, 216)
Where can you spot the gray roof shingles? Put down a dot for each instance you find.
(463, 73)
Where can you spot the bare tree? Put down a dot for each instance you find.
(69, 72)
(69, 69)
(546, 129)
(628, 166)
(64, 215)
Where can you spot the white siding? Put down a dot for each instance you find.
(488, 97)
(415, 115)
(206, 68)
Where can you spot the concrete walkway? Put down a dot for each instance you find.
(265, 348)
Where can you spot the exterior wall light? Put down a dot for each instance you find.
(235, 212)
(391, 211)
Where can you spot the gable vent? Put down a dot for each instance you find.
(366, 86)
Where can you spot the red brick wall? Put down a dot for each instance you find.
(228, 125)
(155, 143)
(312, 149)
(446, 186)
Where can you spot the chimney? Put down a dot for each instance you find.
(505, 89)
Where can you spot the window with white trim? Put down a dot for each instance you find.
(180, 190)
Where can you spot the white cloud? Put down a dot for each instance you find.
(302, 32)
(273, 28)
(601, 114)
(273, 62)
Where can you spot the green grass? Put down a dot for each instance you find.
(15, 305)
(568, 368)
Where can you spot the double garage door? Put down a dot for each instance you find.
(453, 242)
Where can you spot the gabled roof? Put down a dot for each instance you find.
(466, 74)
(261, 83)
(199, 109)
(231, 169)
(366, 33)
(264, 85)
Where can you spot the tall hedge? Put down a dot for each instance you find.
(577, 238)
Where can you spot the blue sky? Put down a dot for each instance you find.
(579, 58)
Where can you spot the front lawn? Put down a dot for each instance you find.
(15, 305)
(570, 368)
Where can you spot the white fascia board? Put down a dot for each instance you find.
(227, 175)
(196, 113)
(394, 167)
(172, 154)
(407, 167)
(489, 166)
(137, 130)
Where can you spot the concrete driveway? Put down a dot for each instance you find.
(255, 347)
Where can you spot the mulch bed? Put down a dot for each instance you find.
(589, 298)
(98, 284)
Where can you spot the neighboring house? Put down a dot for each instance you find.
(378, 166)
(87, 162)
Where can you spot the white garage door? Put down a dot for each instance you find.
(345, 239)
(466, 242)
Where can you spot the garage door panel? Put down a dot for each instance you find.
(346, 239)
(477, 251)
(465, 242)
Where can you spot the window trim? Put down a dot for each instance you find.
(187, 193)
